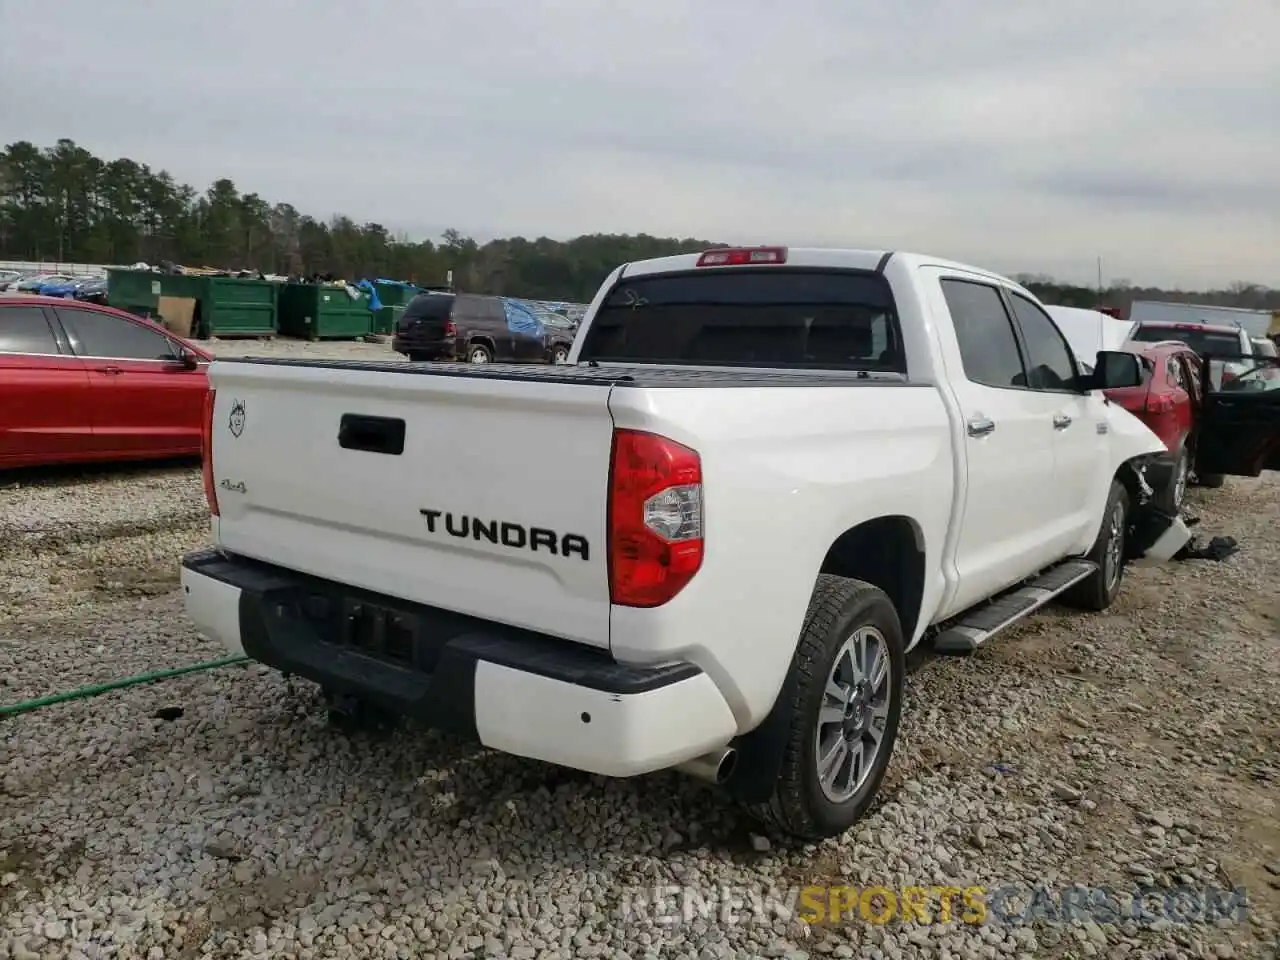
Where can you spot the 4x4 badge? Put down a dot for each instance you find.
(236, 420)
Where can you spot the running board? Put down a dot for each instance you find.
(977, 626)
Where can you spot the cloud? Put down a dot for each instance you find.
(1021, 137)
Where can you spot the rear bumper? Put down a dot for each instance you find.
(433, 349)
(516, 691)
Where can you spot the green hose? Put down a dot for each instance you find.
(100, 688)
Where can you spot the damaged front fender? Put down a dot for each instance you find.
(1154, 534)
(1143, 465)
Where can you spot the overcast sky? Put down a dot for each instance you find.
(1022, 137)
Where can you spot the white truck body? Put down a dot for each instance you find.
(482, 495)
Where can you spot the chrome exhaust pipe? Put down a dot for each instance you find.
(714, 767)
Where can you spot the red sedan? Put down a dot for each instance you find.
(82, 383)
(1167, 403)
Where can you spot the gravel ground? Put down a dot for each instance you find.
(217, 815)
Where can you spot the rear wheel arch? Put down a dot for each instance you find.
(885, 552)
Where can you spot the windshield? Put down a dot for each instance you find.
(823, 319)
(1201, 341)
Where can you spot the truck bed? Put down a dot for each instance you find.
(602, 375)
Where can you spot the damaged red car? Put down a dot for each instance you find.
(1166, 402)
(1231, 429)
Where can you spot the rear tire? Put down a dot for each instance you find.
(559, 355)
(1211, 480)
(418, 357)
(479, 353)
(1101, 588)
(849, 666)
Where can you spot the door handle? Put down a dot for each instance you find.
(371, 434)
(110, 369)
(1061, 421)
(981, 427)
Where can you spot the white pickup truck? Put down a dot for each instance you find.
(706, 542)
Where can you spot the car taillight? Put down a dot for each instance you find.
(450, 328)
(743, 256)
(655, 518)
(206, 453)
(1161, 403)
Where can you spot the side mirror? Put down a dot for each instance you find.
(1114, 368)
(188, 359)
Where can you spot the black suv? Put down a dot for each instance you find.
(478, 329)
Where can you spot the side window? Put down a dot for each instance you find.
(25, 330)
(1176, 376)
(988, 348)
(521, 319)
(1049, 363)
(485, 312)
(102, 335)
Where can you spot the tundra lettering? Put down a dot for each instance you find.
(508, 534)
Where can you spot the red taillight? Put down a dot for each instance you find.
(655, 518)
(743, 256)
(206, 453)
(450, 328)
(1159, 403)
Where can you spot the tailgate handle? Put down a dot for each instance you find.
(371, 434)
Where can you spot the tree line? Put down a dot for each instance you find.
(63, 203)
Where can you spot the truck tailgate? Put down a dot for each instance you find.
(479, 494)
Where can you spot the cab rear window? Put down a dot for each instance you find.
(824, 319)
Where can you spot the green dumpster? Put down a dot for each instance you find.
(319, 312)
(134, 291)
(229, 306)
(225, 306)
(386, 319)
(394, 294)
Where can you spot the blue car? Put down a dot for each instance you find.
(38, 283)
(62, 287)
